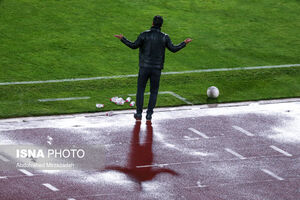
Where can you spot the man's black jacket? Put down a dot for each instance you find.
(152, 44)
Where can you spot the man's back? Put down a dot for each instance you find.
(152, 49)
(152, 44)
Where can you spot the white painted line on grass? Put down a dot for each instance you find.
(232, 69)
(242, 130)
(179, 97)
(3, 177)
(199, 133)
(281, 151)
(71, 199)
(51, 187)
(27, 173)
(163, 73)
(3, 158)
(272, 174)
(235, 154)
(171, 93)
(63, 99)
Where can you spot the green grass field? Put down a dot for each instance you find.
(48, 40)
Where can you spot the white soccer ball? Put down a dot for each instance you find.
(212, 92)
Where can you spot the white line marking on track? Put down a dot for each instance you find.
(21, 176)
(204, 161)
(51, 187)
(166, 164)
(235, 154)
(171, 93)
(235, 183)
(272, 174)
(3, 158)
(189, 138)
(199, 133)
(94, 195)
(135, 75)
(243, 130)
(281, 151)
(63, 99)
(200, 185)
(24, 171)
(71, 199)
(158, 165)
(3, 177)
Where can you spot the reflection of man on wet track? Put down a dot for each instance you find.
(140, 158)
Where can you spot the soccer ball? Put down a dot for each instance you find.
(212, 92)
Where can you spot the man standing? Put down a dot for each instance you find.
(151, 44)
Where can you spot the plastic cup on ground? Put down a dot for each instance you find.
(113, 99)
(110, 113)
(128, 99)
(98, 105)
(132, 104)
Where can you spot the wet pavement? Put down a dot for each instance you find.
(240, 151)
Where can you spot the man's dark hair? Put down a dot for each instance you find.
(158, 21)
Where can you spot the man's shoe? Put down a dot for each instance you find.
(149, 117)
(138, 116)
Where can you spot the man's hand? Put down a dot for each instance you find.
(119, 36)
(188, 40)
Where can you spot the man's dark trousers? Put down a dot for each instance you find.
(146, 73)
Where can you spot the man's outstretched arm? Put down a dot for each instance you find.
(175, 48)
(132, 45)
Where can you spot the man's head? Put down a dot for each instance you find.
(158, 21)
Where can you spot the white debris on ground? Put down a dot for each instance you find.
(117, 101)
(121, 101)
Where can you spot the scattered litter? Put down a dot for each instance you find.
(49, 140)
(110, 113)
(114, 99)
(121, 101)
(128, 99)
(132, 103)
(99, 105)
